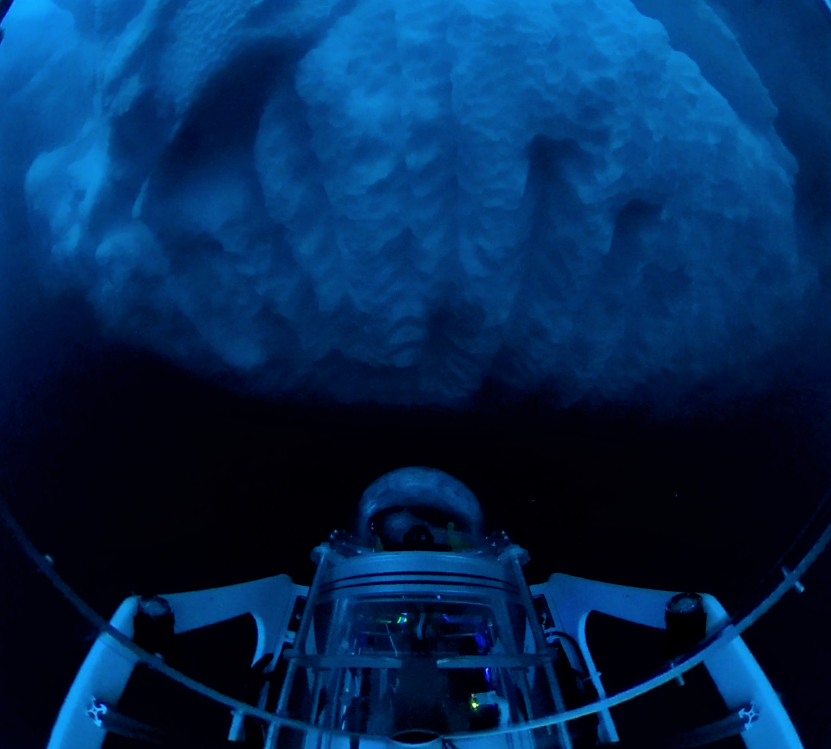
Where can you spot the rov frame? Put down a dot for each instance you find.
(757, 713)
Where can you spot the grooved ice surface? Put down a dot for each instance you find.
(388, 200)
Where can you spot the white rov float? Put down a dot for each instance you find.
(418, 632)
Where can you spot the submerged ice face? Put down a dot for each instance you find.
(392, 200)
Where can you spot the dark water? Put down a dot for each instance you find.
(138, 478)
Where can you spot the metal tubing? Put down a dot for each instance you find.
(299, 640)
(542, 646)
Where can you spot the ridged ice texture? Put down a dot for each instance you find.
(411, 196)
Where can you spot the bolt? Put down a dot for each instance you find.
(797, 586)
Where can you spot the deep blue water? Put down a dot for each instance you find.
(138, 478)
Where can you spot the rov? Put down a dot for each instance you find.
(419, 632)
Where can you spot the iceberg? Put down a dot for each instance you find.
(392, 202)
